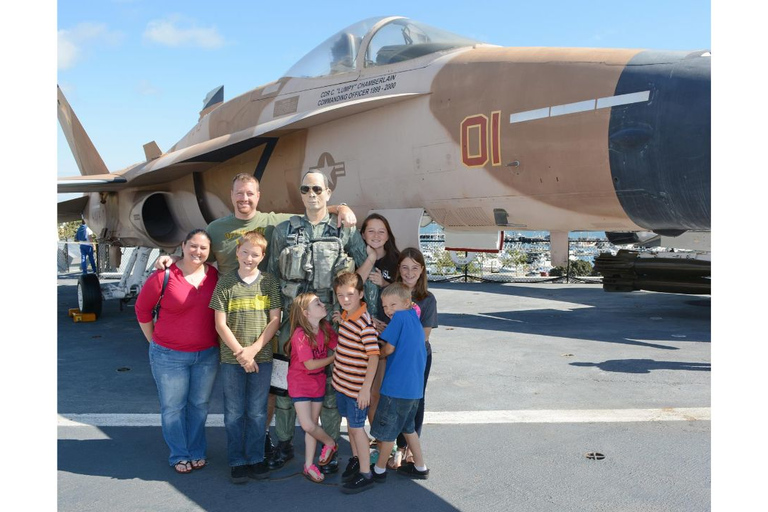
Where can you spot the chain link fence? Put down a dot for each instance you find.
(521, 260)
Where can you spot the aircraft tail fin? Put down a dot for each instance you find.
(88, 159)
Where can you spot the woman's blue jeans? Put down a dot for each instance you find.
(184, 384)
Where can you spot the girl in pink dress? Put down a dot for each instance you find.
(311, 350)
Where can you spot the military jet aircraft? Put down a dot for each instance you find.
(416, 123)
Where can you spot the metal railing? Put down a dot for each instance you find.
(521, 260)
(68, 259)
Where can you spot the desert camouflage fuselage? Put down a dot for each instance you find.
(484, 138)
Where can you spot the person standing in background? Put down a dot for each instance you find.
(84, 235)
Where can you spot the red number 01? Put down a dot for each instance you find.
(476, 144)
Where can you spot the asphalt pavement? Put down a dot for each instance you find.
(542, 397)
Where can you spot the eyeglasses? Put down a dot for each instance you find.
(317, 189)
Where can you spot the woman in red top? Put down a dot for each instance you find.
(183, 348)
(311, 350)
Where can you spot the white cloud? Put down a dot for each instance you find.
(68, 52)
(71, 42)
(175, 31)
(145, 88)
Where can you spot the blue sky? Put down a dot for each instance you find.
(138, 70)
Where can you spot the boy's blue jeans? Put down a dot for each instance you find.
(245, 412)
(184, 384)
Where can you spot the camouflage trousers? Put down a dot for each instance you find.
(285, 415)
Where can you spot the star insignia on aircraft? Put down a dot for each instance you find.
(331, 168)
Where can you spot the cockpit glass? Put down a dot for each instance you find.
(404, 39)
(399, 40)
(336, 54)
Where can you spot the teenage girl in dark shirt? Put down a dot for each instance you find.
(381, 267)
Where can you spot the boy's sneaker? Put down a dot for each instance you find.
(238, 474)
(353, 468)
(379, 479)
(358, 484)
(409, 469)
(258, 471)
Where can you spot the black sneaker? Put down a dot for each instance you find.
(238, 474)
(358, 484)
(379, 479)
(353, 468)
(408, 469)
(258, 471)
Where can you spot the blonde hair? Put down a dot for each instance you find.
(399, 290)
(298, 319)
(253, 238)
(245, 178)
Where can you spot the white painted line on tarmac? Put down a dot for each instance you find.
(440, 418)
(569, 416)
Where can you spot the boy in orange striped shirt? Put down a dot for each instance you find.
(357, 356)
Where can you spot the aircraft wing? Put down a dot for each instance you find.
(91, 183)
(201, 157)
(71, 209)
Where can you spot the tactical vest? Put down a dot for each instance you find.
(310, 265)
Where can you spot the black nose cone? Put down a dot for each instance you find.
(660, 148)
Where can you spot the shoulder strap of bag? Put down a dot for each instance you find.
(156, 309)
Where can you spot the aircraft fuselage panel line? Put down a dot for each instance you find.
(258, 173)
(231, 151)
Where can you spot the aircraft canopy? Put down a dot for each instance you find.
(382, 41)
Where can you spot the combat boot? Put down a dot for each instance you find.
(332, 466)
(282, 453)
(269, 448)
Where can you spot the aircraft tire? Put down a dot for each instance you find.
(89, 294)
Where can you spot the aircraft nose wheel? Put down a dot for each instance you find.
(89, 294)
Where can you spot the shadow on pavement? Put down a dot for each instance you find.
(645, 366)
(139, 455)
(636, 319)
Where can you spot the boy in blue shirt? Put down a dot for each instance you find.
(403, 383)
